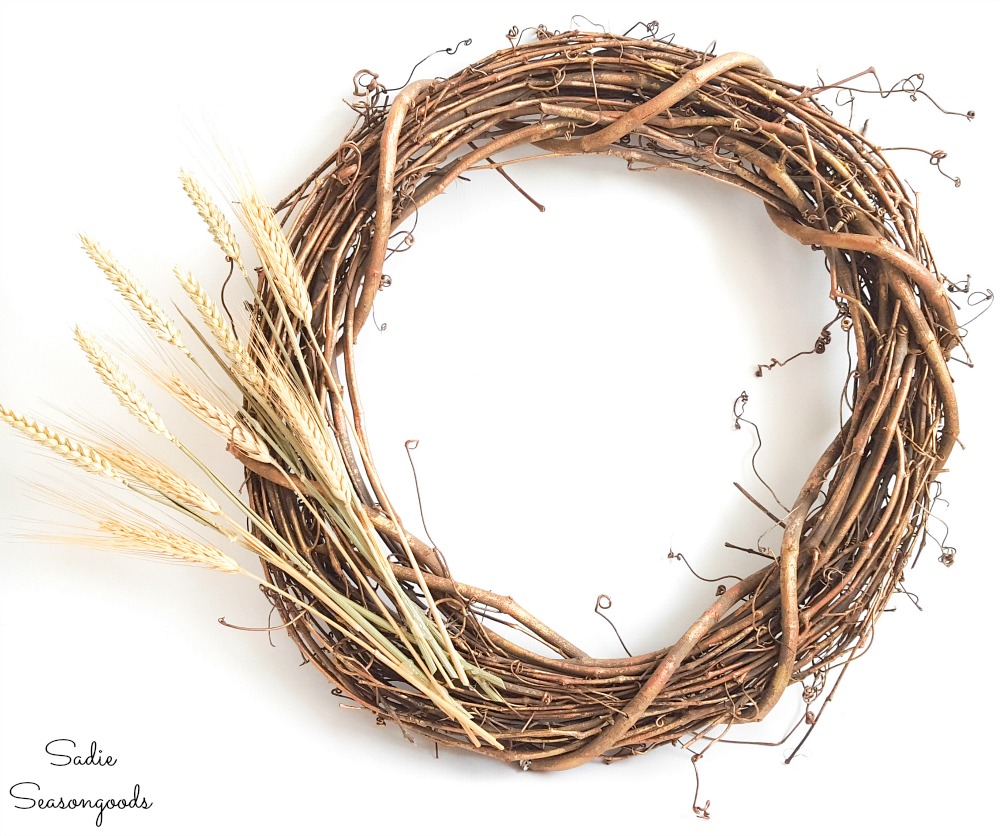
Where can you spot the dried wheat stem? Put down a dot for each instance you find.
(324, 460)
(167, 544)
(378, 645)
(138, 298)
(218, 224)
(70, 449)
(124, 389)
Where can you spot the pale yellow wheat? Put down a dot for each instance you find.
(274, 251)
(161, 479)
(167, 544)
(122, 388)
(242, 365)
(218, 224)
(70, 449)
(138, 298)
(323, 458)
(218, 420)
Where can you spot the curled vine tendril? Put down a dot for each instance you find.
(934, 158)
(448, 50)
(604, 603)
(819, 347)
(672, 555)
(739, 418)
(912, 86)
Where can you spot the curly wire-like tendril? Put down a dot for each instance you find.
(604, 603)
(862, 511)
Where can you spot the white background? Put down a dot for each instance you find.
(555, 466)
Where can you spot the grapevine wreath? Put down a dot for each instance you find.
(376, 609)
(857, 518)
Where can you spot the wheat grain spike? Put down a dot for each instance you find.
(70, 449)
(124, 389)
(159, 478)
(219, 420)
(137, 297)
(218, 224)
(277, 256)
(167, 544)
(242, 364)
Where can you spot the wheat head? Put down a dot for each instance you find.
(167, 544)
(124, 389)
(277, 256)
(242, 364)
(218, 224)
(137, 297)
(219, 420)
(70, 449)
(323, 457)
(161, 479)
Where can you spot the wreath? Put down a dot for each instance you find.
(376, 609)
